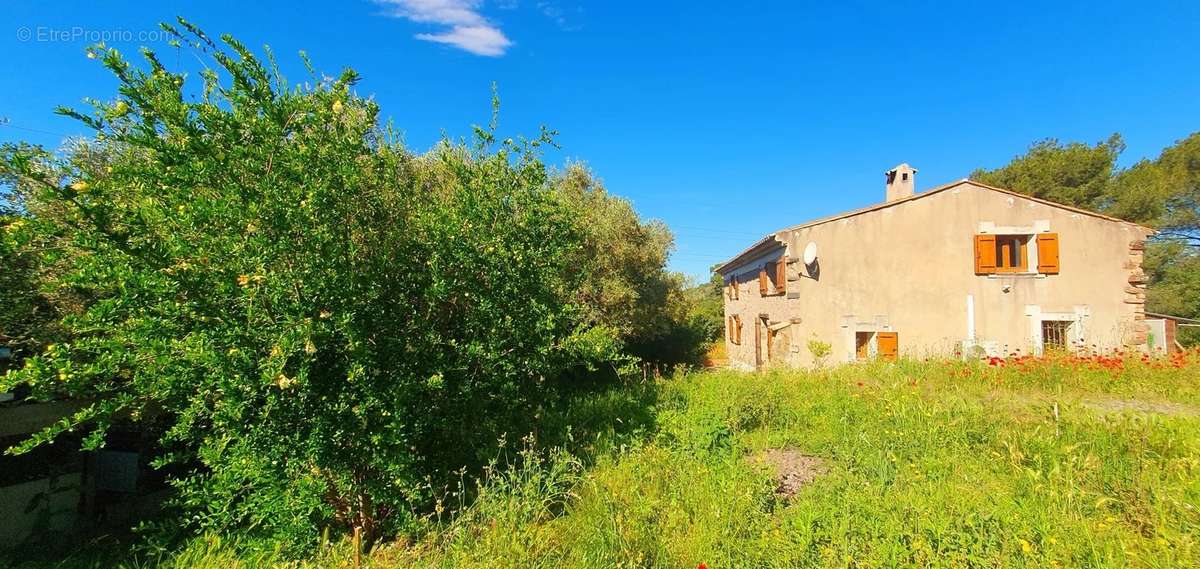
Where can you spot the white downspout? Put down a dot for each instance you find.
(971, 319)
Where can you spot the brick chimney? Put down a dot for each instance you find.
(901, 182)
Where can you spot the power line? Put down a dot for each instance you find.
(9, 124)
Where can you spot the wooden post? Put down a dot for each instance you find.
(357, 547)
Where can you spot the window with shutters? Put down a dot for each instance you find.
(733, 329)
(1000, 254)
(772, 278)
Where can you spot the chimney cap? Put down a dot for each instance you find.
(901, 166)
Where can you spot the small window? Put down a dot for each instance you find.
(1055, 334)
(1012, 253)
(862, 345)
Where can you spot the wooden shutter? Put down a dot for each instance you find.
(887, 344)
(734, 282)
(1047, 248)
(762, 281)
(737, 329)
(985, 254)
(781, 276)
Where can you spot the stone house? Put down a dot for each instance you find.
(963, 268)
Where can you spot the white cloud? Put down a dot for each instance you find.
(469, 30)
(480, 40)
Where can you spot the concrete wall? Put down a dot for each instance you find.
(46, 507)
(909, 268)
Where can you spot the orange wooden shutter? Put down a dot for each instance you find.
(1047, 248)
(781, 276)
(985, 254)
(734, 281)
(888, 344)
(737, 329)
(729, 328)
(762, 281)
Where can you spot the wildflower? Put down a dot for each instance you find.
(243, 280)
(284, 381)
(860, 384)
(337, 106)
(80, 186)
(702, 566)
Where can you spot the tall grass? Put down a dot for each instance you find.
(1050, 462)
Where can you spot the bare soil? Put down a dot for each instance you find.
(791, 468)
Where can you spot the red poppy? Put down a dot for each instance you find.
(702, 566)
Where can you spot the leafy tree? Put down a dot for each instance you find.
(330, 325)
(1073, 174)
(624, 283)
(1173, 182)
(707, 307)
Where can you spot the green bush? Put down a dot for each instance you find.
(330, 325)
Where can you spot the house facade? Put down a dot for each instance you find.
(963, 268)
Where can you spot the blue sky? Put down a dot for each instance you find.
(726, 120)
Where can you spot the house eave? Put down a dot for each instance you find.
(764, 245)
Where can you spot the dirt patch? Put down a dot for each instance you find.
(791, 469)
(1141, 406)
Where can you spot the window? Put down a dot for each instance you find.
(733, 329)
(1055, 334)
(862, 345)
(885, 345)
(772, 278)
(1010, 254)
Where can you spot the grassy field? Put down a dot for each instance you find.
(1059, 462)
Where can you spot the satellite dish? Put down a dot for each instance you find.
(810, 253)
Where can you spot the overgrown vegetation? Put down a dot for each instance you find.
(330, 328)
(1066, 461)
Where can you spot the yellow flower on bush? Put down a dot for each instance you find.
(337, 106)
(80, 186)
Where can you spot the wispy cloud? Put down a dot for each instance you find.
(559, 15)
(468, 29)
